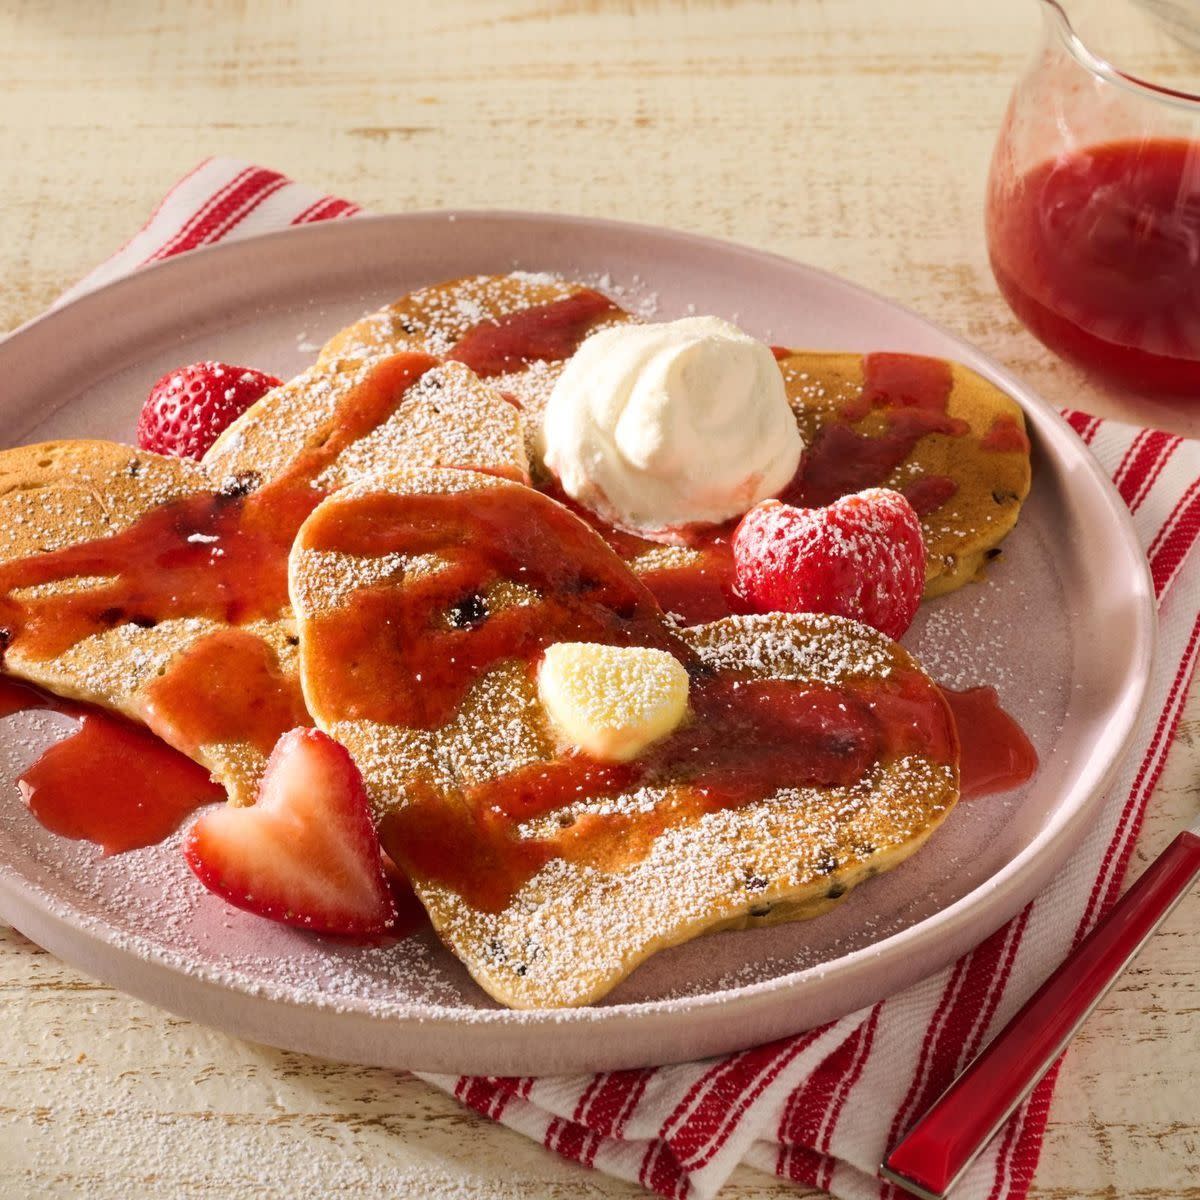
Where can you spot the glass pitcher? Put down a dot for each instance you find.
(1093, 202)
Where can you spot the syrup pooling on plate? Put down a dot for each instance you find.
(406, 652)
(996, 754)
(110, 782)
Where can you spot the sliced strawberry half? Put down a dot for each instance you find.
(306, 852)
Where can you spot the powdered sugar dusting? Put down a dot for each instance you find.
(976, 635)
(448, 418)
(577, 926)
(322, 580)
(394, 979)
(811, 646)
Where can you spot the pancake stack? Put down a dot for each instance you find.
(424, 401)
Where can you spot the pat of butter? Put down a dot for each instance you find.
(612, 701)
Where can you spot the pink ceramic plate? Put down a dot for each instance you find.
(1072, 579)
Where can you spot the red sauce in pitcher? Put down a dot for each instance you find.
(1098, 253)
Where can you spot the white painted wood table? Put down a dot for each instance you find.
(854, 136)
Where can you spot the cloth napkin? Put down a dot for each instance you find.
(820, 1108)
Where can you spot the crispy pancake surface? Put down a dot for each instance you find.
(814, 755)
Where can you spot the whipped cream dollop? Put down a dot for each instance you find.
(657, 427)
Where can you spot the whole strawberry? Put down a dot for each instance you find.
(861, 556)
(188, 408)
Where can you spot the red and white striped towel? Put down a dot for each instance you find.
(822, 1107)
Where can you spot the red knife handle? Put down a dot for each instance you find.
(942, 1144)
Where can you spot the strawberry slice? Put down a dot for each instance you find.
(306, 853)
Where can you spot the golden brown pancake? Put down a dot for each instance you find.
(76, 625)
(968, 485)
(450, 419)
(157, 587)
(975, 453)
(424, 601)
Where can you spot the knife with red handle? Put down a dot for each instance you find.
(939, 1148)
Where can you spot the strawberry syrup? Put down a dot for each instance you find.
(996, 755)
(111, 782)
(912, 392)
(227, 687)
(540, 333)
(1096, 251)
(223, 556)
(410, 656)
(218, 555)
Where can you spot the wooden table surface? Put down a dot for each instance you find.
(852, 135)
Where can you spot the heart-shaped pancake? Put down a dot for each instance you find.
(448, 418)
(814, 753)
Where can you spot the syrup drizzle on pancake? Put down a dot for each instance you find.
(540, 333)
(1005, 435)
(912, 391)
(695, 586)
(227, 687)
(748, 740)
(408, 655)
(389, 654)
(219, 555)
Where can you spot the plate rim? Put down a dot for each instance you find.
(984, 906)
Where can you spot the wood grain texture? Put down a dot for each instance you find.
(854, 136)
